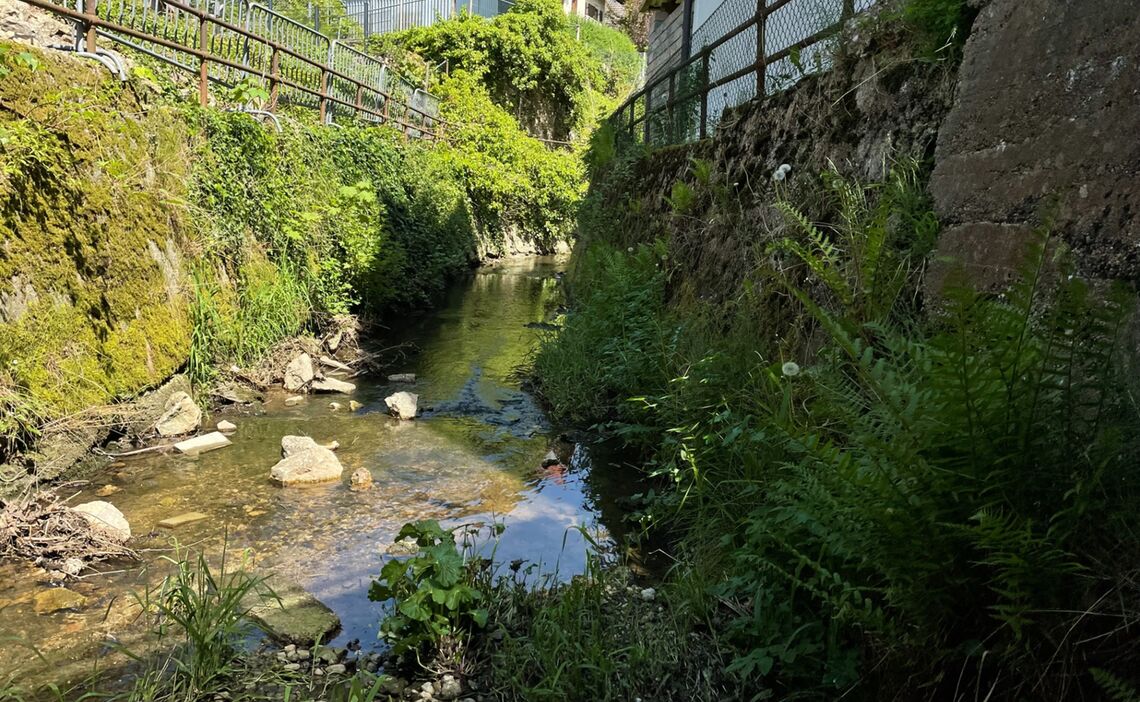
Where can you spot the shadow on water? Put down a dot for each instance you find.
(475, 455)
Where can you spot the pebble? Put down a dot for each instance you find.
(318, 672)
(648, 594)
(335, 406)
(106, 491)
(294, 400)
(292, 666)
(290, 648)
(336, 669)
(302, 654)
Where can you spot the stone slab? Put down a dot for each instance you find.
(292, 615)
(181, 520)
(202, 444)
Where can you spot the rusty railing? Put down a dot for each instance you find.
(777, 43)
(227, 42)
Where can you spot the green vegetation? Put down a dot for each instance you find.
(875, 497)
(437, 593)
(532, 62)
(202, 611)
(939, 23)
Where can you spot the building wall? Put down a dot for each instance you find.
(666, 41)
(582, 8)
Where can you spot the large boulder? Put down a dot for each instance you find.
(180, 415)
(299, 372)
(106, 519)
(402, 404)
(314, 465)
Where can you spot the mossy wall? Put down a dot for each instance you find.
(140, 234)
(93, 221)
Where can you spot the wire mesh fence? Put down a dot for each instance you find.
(744, 48)
(228, 42)
(382, 16)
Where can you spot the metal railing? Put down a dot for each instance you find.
(743, 49)
(227, 42)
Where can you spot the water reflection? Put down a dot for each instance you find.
(475, 456)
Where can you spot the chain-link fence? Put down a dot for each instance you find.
(744, 48)
(236, 42)
(381, 16)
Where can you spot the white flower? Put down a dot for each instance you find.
(630, 249)
(791, 369)
(781, 172)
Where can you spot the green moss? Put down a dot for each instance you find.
(85, 201)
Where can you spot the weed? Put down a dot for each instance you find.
(202, 612)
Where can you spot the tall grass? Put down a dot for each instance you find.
(199, 613)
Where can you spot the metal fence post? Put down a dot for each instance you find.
(704, 95)
(203, 63)
(761, 53)
(90, 8)
(325, 84)
(670, 108)
(274, 76)
(648, 105)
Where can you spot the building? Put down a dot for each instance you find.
(382, 16)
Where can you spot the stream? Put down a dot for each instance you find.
(475, 455)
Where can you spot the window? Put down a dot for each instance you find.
(594, 12)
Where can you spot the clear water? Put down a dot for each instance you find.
(474, 456)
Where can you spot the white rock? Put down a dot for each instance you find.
(648, 594)
(296, 444)
(105, 518)
(202, 444)
(353, 405)
(402, 378)
(316, 465)
(226, 425)
(402, 404)
(449, 688)
(335, 406)
(361, 479)
(180, 415)
(299, 372)
(336, 669)
(332, 385)
(294, 400)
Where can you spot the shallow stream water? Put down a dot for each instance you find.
(474, 456)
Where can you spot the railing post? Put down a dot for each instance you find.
(648, 105)
(670, 108)
(90, 8)
(325, 83)
(274, 77)
(761, 53)
(704, 95)
(203, 63)
(632, 115)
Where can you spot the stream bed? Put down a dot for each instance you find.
(475, 455)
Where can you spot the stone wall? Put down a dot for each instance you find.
(1046, 125)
